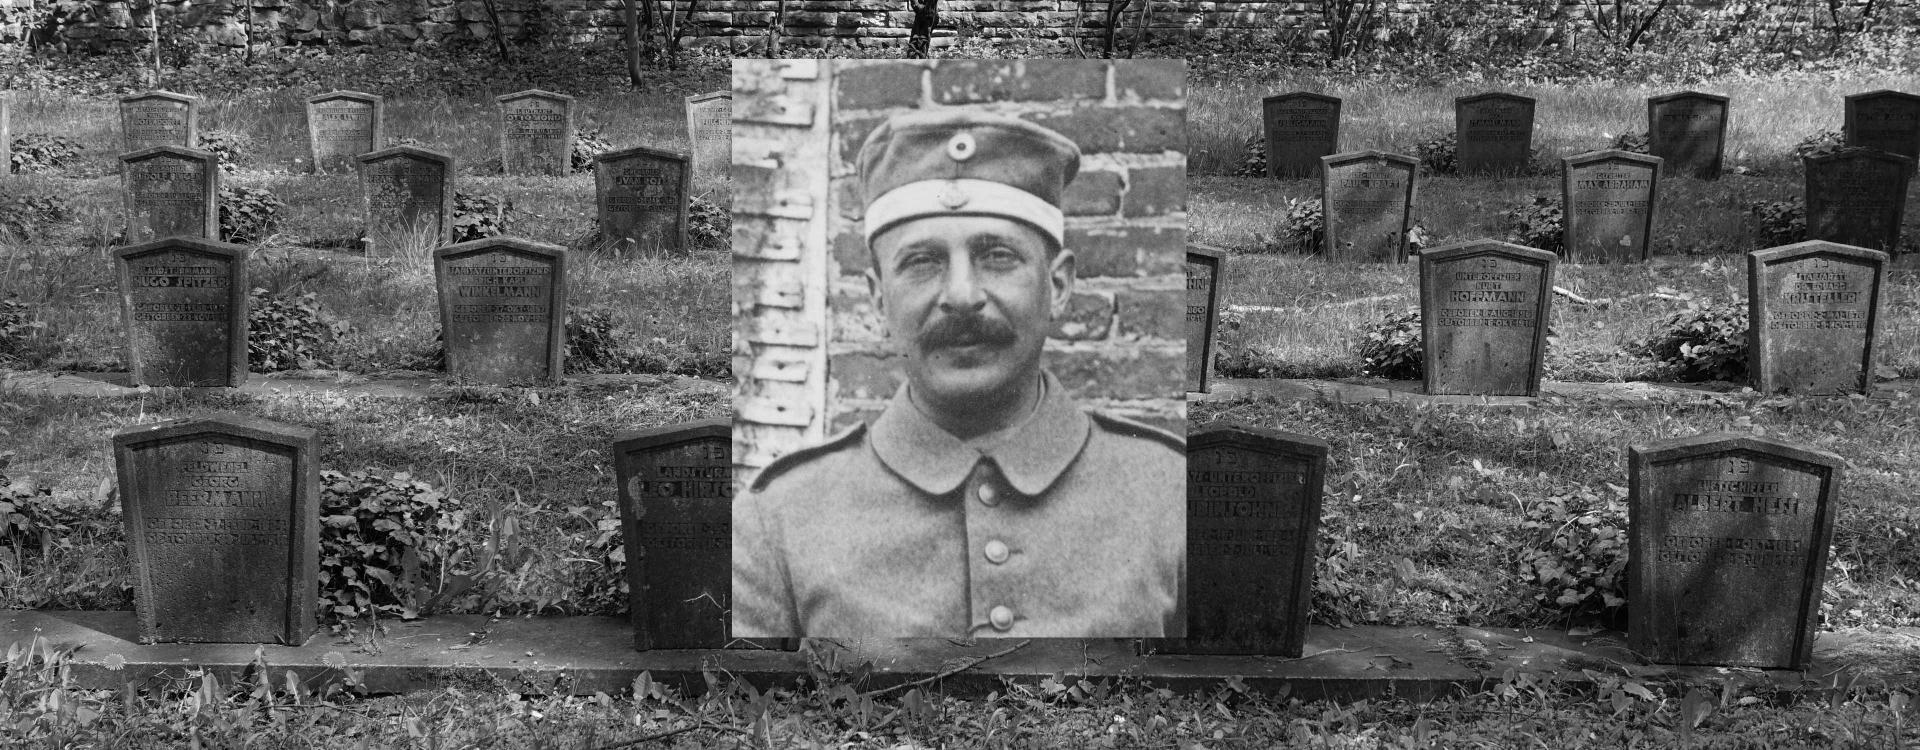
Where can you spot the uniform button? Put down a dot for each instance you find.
(1002, 618)
(987, 495)
(996, 552)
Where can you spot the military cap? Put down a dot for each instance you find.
(965, 163)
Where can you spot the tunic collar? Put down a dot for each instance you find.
(1031, 454)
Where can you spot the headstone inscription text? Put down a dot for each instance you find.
(1253, 525)
(1609, 199)
(159, 118)
(710, 130)
(342, 125)
(1857, 197)
(1728, 550)
(1367, 201)
(408, 194)
(1483, 309)
(1884, 121)
(1812, 317)
(1689, 131)
(184, 303)
(1493, 133)
(1301, 127)
(171, 192)
(643, 199)
(222, 519)
(1203, 295)
(536, 133)
(503, 310)
(676, 499)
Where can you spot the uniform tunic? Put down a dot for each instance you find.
(1070, 524)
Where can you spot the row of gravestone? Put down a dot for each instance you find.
(1494, 131)
(503, 305)
(1728, 535)
(1610, 201)
(408, 197)
(536, 128)
(1812, 311)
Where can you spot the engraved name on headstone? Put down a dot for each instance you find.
(503, 310)
(342, 125)
(676, 498)
(1885, 121)
(1483, 310)
(1609, 199)
(1367, 198)
(1301, 127)
(1253, 526)
(1812, 317)
(1728, 550)
(536, 132)
(710, 131)
(643, 199)
(1493, 133)
(1689, 131)
(1204, 264)
(184, 304)
(1857, 197)
(171, 192)
(159, 118)
(407, 197)
(222, 518)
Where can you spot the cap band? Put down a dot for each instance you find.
(964, 197)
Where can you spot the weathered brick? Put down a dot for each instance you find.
(1131, 129)
(850, 251)
(879, 86)
(1124, 373)
(971, 81)
(863, 375)
(1125, 251)
(1156, 191)
(1089, 317)
(849, 134)
(1138, 80)
(1095, 193)
(1151, 313)
(855, 318)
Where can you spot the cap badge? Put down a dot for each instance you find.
(961, 146)
(953, 197)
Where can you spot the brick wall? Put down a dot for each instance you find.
(1122, 345)
(739, 25)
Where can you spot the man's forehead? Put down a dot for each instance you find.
(963, 231)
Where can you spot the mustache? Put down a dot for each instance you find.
(965, 329)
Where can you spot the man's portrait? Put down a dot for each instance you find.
(994, 447)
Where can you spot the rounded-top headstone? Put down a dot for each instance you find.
(171, 191)
(1301, 127)
(159, 118)
(184, 304)
(1493, 133)
(1885, 120)
(1689, 130)
(1204, 265)
(536, 132)
(1813, 317)
(643, 198)
(1610, 199)
(1857, 196)
(342, 125)
(407, 196)
(1367, 200)
(676, 509)
(503, 310)
(1484, 311)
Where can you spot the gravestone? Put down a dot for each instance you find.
(536, 133)
(342, 125)
(1728, 549)
(1857, 197)
(159, 118)
(222, 518)
(1884, 121)
(1689, 131)
(1301, 128)
(184, 304)
(503, 310)
(1812, 317)
(1483, 315)
(676, 499)
(710, 130)
(1609, 199)
(643, 198)
(1493, 133)
(171, 192)
(1253, 525)
(407, 197)
(1366, 199)
(1204, 264)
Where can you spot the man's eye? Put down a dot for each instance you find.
(919, 260)
(1001, 257)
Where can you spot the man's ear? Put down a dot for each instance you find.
(1061, 275)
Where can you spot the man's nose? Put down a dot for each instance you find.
(962, 291)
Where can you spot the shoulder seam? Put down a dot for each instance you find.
(1140, 429)
(782, 464)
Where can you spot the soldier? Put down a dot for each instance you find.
(985, 501)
